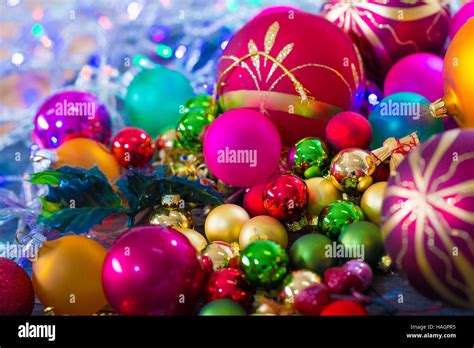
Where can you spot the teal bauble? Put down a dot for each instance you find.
(400, 114)
(311, 252)
(156, 99)
(363, 238)
(334, 217)
(224, 307)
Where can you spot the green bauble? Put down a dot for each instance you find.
(366, 234)
(311, 158)
(309, 252)
(154, 99)
(201, 101)
(264, 262)
(334, 217)
(190, 128)
(222, 307)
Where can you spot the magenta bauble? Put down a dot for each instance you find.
(297, 68)
(427, 217)
(152, 270)
(242, 147)
(461, 17)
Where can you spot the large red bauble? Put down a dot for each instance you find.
(386, 31)
(253, 200)
(297, 68)
(16, 290)
(428, 217)
(229, 283)
(133, 147)
(348, 129)
(344, 308)
(285, 197)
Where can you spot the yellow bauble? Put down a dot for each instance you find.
(372, 200)
(87, 153)
(263, 228)
(458, 78)
(321, 193)
(225, 222)
(196, 238)
(67, 275)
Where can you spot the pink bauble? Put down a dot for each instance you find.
(461, 17)
(428, 70)
(389, 30)
(17, 296)
(299, 70)
(427, 217)
(348, 129)
(275, 9)
(242, 147)
(152, 270)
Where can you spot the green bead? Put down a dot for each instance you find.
(311, 158)
(366, 234)
(222, 307)
(154, 99)
(334, 217)
(201, 101)
(190, 129)
(264, 262)
(309, 252)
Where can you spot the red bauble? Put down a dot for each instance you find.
(285, 197)
(382, 173)
(16, 290)
(312, 299)
(348, 129)
(229, 283)
(386, 31)
(253, 202)
(341, 281)
(299, 82)
(133, 147)
(344, 307)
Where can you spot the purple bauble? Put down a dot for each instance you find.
(428, 69)
(428, 217)
(152, 270)
(71, 114)
(361, 270)
(461, 17)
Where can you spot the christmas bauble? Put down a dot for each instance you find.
(151, 260)
(190, 129)
(229, 283)
(321, 193)
(295, 282)
(223, 307)
(67, 275)
(133, 147)
(341, 281)
(344, 308)
(311, 158)
(171, 213)
(264, 262)
(269, 66)
(87, 153)
(197, 239)
(361, 270)
(253, 200)
(428, 69)
(225, 222)
(400, 114)
(154, 98)
(461, 17)
(352, 170)
(309, 252)
(334, 217)
(242, 141)
(372, 200)
(263, 228)
(71, 114)
(348, 129)
(16, 291)
(313, 299)
(285, 197)
(362, 240)
(389, 30)
(427, 222)
(220, 254)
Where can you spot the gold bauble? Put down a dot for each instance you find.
(196, 238)
(295, 282)
(87, 153)
(225, 222)
(171, 213)
(263, 228)
(372, 200)
(321, 193)
(220, 254)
